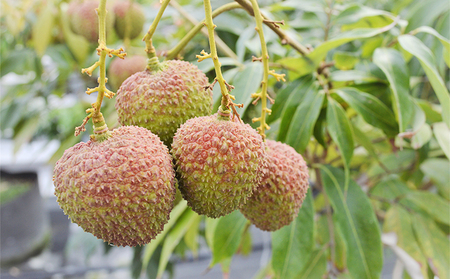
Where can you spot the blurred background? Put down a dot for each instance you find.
(43, 99)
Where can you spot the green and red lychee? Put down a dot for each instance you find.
(121, 189)
(122, 11)
(278, 199)
(163, 99)
(219, 163)
(121, 69)
(84, 20)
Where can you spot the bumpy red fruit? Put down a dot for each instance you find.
(121, 189)
(137, 19)
(84, 20)
(164, 99)
(121, 69)
(219, 162)
(278, 199)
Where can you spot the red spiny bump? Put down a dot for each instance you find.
(137, 19)
(163, 100)
(278, 199)
(121, 69)
(121, 190)
(219, 164)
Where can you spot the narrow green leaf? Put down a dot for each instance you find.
(399, 221)
(292, 245)
(373, 111)
(247, 82)
(26, 132)
(282, 97)
(435, 245)
(191, 236)
(227, 236)
(442, 134)
(303, 121)
(437, 170)
(43, 28)
(245, 247)
(365, 141)
(307, 64)
(426, 58)
(316, 266)
(151, 247)
(355, 12)
(293, 102)
(210, 228)
(434, 205)
(394, 67)
(445, 42)
(358, 223)
(174, 237)
(340, 130)
(345, 60)
(422, 136)
(390, 187)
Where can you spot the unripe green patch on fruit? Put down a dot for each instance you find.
(137, 19)
(278, 199)
(219, 162)
(162, 100)
(121, 189)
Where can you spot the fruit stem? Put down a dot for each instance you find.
(265, 60)
(171, 54)
(153, 65)
(224, 86)
(100, 129)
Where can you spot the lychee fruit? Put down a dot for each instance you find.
(276, 202)
(219, 163)
(137, 19)
(121, 69)
(161, 100)
(84, 20)
(121, 189)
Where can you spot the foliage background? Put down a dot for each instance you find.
(368, 108)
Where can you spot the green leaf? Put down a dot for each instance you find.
(340, 130)
(434, 205)
(345, 60)
(358, 222)
(304, 65)
(430, 112)
(177, 211)
(422, 136)
(390, 187)
(370, 108)
(434, 244)
(174, 237)
(292, 245)
(304, 90)
(245, 247)
(394, 67)
(282, 97)
(399, 221)
(437, 170)
(246, 83)
(442, 134)
(227, 236)
(365, 141)
(445, 42)
(355, 12)
(210, 228)
(302, 125)
(316, 266)
(191, 236)
(42, 29)
(354, 75)
(26, 132)
(426, 58)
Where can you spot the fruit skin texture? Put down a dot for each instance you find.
(84, 20)
(121, 69)
(219, 163)
(163, 100)
(278, 199)
(121, 190)
(137, 17)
